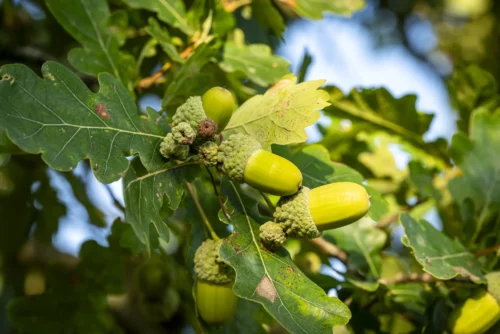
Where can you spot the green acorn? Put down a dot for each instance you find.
(161, 309)
(218, 104)
(476, 315)
(242, 159)
(215, 299)
(272, 235)
(310, 211)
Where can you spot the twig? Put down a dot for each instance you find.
(116, 202)
(204, 217)
(219, 199)
(487, 250)
(330, 249)
(268, 202)
(420, 277)
(393, 217)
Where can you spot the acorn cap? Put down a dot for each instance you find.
(190, 112)
(234, 153)
(292, 212)
(207, 128)
(208, 153)
(272, 235)
(209, 266)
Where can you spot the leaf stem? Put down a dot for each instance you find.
(487, 250)
(268, 202)
(219, 199)
(204, 217)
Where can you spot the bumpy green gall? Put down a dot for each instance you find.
(234, 153)
(208, 265)
(208, 154)
(292, 212)
(272, 235)
(183, 134)
(207, 129)
(170, 149)
(190, 112)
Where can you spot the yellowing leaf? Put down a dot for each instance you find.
(281, 115)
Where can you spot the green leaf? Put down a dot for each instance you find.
(314, 9)
(86, 21)
(81, 311)
(363, 242)
(193, 78)
(163, 37)
(63, 120)
(317, 170)
(171, 12)
(281, 115)
(255, 61)
(146, 193)
(377, 109)
(478, 159)
(273, 280)
(267, 15)
(440, 256)
(471, 88)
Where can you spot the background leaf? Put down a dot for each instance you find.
(63, 120)
(169, 11)
(86, 21)
(255, 61)
(314, 8)
(440, 256)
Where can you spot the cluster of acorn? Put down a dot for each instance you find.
(300, 212)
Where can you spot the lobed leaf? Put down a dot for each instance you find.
(255, 61)
(440, 256)
(273, 280)
(86, 21)
(59, 117)
(363, 242)
(281, 115)
(146, 193)
(171, 12)
(478, 159)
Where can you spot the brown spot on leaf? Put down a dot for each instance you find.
(101, 110)
(266, 289)
(465, 272)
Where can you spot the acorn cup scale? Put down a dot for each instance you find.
(337, 204)
(242, 159)
(216, 302)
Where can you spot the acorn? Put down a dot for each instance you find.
(310, 211)
(242, 159)
(215, 299)
(218, 104)
(152, 279)
(476, 315)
